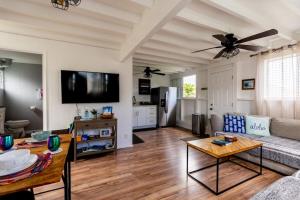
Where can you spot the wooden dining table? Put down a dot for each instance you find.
(59, 168)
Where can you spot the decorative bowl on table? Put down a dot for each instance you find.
(15, 161)
(40, 136)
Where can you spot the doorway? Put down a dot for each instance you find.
(221, 90)
(21, 93)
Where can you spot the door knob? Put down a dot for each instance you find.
(211, 109)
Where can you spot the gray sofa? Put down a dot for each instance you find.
(283, 189)
(281, 150)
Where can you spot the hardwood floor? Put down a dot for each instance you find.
(155, 169)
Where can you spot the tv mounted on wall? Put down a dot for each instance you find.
(89, 87)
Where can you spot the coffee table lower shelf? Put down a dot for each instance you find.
(219, 162)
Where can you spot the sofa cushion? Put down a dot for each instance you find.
(283, 189)
(287, 128)
(234, 123)
(281, 150)
(258, 125)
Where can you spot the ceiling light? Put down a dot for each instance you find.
(64, 4)
(230, 53)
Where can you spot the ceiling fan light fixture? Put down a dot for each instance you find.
(64, 4)
(60, 4)
(231, 53)
(147, 76)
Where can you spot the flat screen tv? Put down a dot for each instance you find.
(89, 87)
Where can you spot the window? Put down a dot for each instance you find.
(189, 86)
(282, 77)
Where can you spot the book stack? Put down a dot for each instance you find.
(221, 142)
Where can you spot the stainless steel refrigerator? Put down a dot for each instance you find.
(165, 98)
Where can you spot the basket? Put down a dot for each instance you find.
(111, 116)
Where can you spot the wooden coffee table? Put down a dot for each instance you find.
(221, 153)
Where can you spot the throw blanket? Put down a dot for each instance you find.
(283, 189)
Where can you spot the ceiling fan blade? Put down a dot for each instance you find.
(162, 74)
(249, 47)
(207, 49)
(220, 53)
(221, 38)
(258, 36)
(155, 70)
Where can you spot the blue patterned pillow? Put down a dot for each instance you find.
(234, 123)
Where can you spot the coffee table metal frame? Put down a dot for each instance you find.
(219, 162)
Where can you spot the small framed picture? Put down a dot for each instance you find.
(105, 132)
(248, 84)
(107, 109)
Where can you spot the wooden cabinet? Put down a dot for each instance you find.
(96, 125)
(144, 117)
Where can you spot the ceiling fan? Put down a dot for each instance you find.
(148, 72)
(5, 62)
(231, 45)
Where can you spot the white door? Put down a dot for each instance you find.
(220, 91)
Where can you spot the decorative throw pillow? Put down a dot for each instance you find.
(234, 123)
(258, 125)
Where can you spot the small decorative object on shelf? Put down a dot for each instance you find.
(94, 113)
(105, 132)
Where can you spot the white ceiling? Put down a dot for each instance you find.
(159, 33)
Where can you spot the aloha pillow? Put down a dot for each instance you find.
(234, 123)
(258, 125)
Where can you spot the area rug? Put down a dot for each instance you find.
(136, 139)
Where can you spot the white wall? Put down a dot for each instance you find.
(61, 55)
(244, 68)
(187, 107)
(156, 81)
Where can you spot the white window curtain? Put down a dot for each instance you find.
(278, 83)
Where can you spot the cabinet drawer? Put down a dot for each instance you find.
(93, 125)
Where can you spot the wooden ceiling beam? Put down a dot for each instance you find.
(20, 29)
(167, 47)
(152, 20)
(155, 52)
(58, 28)
(166, 60)
(68, 18)
(241, 11)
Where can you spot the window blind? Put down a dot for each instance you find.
(282, 77)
